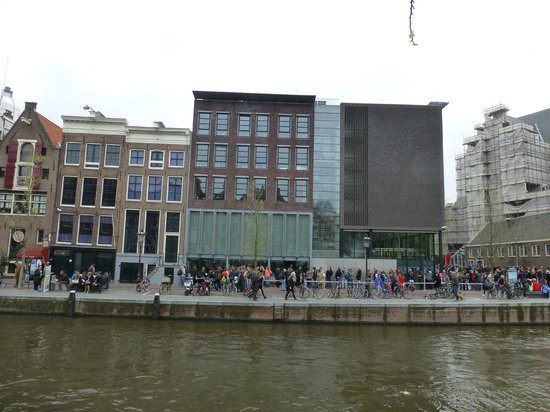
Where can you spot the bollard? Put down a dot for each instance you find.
(72, 303)
(156, 306)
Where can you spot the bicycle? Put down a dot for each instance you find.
(165, 287)
(334, 291)
(304, 291)
(229, 289)
(318, 290)
(143, 286)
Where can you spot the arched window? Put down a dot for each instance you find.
(26, 153)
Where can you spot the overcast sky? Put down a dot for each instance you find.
(141, 60)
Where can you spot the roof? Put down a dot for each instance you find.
(54, 132)
(255, 97)
(542, 120)
(521, 229)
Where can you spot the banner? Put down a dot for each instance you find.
(47, 276)
(512, 275)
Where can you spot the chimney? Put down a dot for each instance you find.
(159, 125)
(31, 106)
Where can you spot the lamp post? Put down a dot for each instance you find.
(141, 237)
(366, 244)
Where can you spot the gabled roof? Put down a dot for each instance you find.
(54, 132)
(519, 230)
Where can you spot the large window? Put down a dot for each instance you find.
(523, 250)
(72, 154)
(242, 156)
(105, 233)
(112, 155)
(262, 125)
(89, 190)
(511, 251)
(154, 189)
(283, 158)
(65, 229)
(222, 124)
(218, 188)
(201, 157)
(244, 125)
(220, 156)
(38, 204)
(108, 195)
(300, 191)
(547, 247)
(260, 160)
(282, 190)
(85, 229)
(137, 157)
(6, 202)
(177, 159)
(199, 191)
(68, 192)
(130, 231)
(92, 155)
(302, 127)
(204, 124)
(241, 188)
(156, 159)
(134, 187)
(302, 158)
(260, 189)
(174, 189)
(152, 218)
(535, 250)
(172, 222)
(171, 238)
(284, 127)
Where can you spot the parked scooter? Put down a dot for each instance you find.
(188, 285)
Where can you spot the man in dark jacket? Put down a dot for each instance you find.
(37, 278)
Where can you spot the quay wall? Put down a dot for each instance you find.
(486, 313)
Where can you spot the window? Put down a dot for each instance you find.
(470, 253)
(547, 247)
(45, 174)
(40, 236)
(284, 127)
(523, 251)
(478, 252)
(222, 124)
(131, 226)
(152, 224)
(282, 190)
(108, 194)
(72, 154)
(65, 229)
(220, 156)
(204, 124)
(68, 192)
(244, 125)
(262, 125)
(112, 155)
(137, 157)
(302, 158)
(199, 191)
(172, 222)
(6, 202)
(260, 160)
(89, 188)
(105, 232)
(177, 159)
(535, 250)
(92, 155)
(134, 187)
(219, 188)
(242, 156)
(259, 189)
(302, 127)
(2, 171)
(43, 151)
(511, 251)
(38, 204)
(26, 153)
(85, 229)
(283, 158)
(201, 158)
(300, 191)
(156, 159)
(154, 188)
(500, 252)
(174, 189)
(241, 188)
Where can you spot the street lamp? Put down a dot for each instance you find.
(366, 244)
(141, 237)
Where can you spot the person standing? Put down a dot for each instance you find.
(36, 278)
(290, 282)
(455, 280)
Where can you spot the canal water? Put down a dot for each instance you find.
(59, 363)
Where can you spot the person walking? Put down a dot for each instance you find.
(290, 282)
(455, 284)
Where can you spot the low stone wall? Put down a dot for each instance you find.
(398, 313)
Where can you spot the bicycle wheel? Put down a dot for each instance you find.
(378, 293)
(318, 293)
(138, 288)
(304, 293)
(501, 294)
(407, 293)
(358, 292)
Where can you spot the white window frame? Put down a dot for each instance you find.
(19, 163)
(128, 188)
(105, 157)
(130, 157)
(307, 190)
(12, 202)
(78, 231)
(522, 249)
(79, 156)
(511, 251)
(237, 157)
(157, 161)
(102, 187)
(92, 165)
(63, 187)
(161, 188)
(98, 227)
(500, 252)
(82, 191)
(168, 189)
(296, 160)
(547, 249)
(38, 242)
(170, 159)
(266, 157)
(289, 157)
(535, 252)
(59, 225)
(470, 253)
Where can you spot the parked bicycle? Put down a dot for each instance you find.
(165, 286)
(143, 286)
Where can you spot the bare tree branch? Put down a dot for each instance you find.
(411, 32)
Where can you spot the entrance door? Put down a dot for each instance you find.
(128, 272)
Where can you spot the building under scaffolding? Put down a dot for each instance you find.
(504, 172)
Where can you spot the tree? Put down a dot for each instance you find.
(256, 228)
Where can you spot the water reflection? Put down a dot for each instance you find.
(53, 363)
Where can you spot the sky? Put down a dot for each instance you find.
(140, 60)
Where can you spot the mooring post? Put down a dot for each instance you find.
(156, 306)
(72, 303)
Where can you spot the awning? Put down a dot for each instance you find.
(35, 252)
